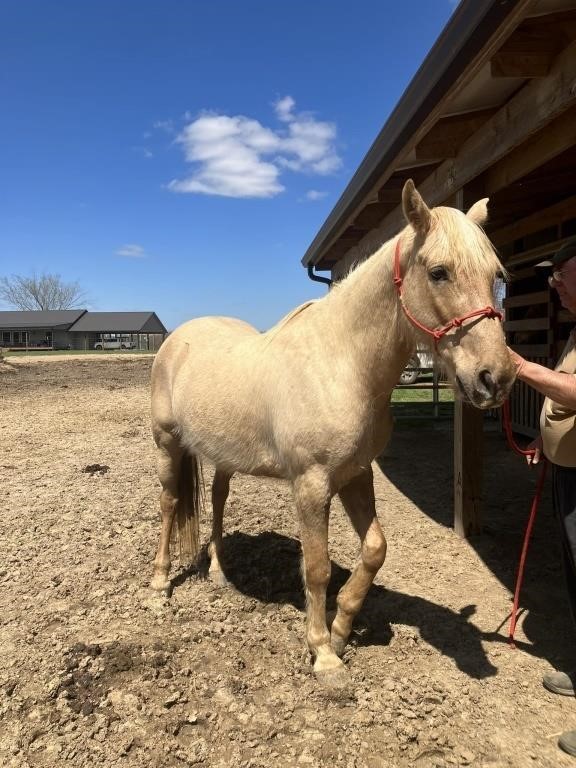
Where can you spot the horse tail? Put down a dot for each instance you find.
(190, 504)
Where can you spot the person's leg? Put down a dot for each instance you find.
(564, 488)
(564, 481)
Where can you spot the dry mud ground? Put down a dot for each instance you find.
(96, 671)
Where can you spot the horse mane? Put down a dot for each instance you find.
(281, 324)
(473, 254)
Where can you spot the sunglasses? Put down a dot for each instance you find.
(556, 277)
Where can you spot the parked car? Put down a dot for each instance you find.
(420, 362)
(115, 343)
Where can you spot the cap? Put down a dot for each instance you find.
(567, 251)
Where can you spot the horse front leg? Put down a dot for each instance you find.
(312, 496)
(358, 500)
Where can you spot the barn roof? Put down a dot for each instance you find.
(119, 322)
(80, 320)
(491, 108)
(45, 319)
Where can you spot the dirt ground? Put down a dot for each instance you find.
(97, 671)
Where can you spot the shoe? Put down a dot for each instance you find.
(559, 682)
(567, 742)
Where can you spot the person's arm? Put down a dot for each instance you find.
(558, 386)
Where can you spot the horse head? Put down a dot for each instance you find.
(449, 270)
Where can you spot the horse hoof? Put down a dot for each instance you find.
(161, 585)
(335, 679)
(218, 579)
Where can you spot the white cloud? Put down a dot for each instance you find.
(144, 151)
(132, 251)
(164, 125)
(284, 107)
(239, 157)
(315, 194)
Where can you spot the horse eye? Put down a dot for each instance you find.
(438, 274)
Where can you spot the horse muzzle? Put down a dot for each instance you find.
(487, 389)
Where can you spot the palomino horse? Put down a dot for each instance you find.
(309, 401)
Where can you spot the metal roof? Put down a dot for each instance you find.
(44, 319)
(80, 320)
(118, 322)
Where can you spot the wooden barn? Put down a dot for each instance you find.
(490, 113)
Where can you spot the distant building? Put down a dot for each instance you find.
(79, 329)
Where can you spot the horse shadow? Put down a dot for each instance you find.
(266, 567)
(507, 489)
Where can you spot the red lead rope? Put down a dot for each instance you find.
(533, 509)
(437, 334)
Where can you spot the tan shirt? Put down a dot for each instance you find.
(557, 422)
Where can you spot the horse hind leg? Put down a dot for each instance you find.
(169, 461)
(180, 476)
(358, 500)
(220, 490)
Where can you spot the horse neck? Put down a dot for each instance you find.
(367, 318)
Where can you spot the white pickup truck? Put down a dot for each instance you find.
(116, 343)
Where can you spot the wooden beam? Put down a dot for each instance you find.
(526, 113)
(532, 350)
(371, 216)
(532, 47)
(532, 255)
(447, 136)
(557, 137)
(527, 299)
(352, 234)
(528, 324)
(521, 64)
(554, 215)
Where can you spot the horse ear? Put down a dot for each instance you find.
(479, 211)
(415, 209)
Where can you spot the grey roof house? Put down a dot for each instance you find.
(78, 329)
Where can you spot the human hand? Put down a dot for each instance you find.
(536, 446)
(517, 360)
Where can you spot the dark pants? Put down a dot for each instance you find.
(564, 483)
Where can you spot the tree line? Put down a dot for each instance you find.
(45, 291)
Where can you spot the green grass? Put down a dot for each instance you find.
(410, 395)
(415, 406)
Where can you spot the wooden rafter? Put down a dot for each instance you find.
(541, 219)
(532, 47)
(526, 113)
(559, 136)
(447, 136)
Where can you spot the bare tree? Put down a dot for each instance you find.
(40, 292)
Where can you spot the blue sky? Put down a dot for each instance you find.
(180, 156)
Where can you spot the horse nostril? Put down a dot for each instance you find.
(488, 382)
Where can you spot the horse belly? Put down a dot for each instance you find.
(224, 423)
(229, 451)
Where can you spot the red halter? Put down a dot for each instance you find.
(439, 332)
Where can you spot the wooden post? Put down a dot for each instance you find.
(468, 465)
(468, 443)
